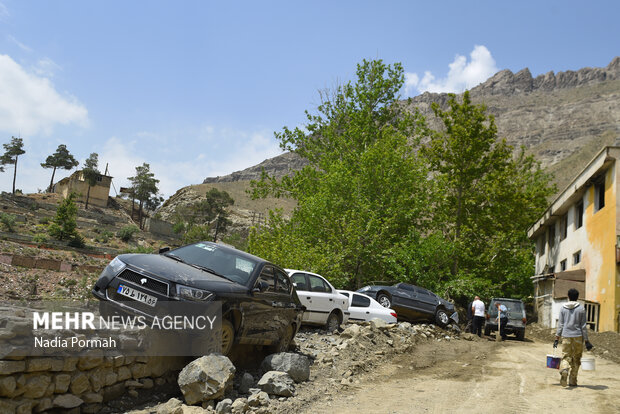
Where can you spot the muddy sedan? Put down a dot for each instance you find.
(259, 303)
(413, 303)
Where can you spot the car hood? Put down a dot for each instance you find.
(181, 273)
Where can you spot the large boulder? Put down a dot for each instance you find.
(277, 383)
(206, 378)
(295, 365)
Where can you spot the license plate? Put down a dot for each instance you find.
(137, 295)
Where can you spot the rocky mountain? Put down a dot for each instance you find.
(562, 118)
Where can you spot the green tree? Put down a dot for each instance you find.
(91, 173)
(62, 158)
(489, 199)
(365, 187)
(12, 151)
(64, 224)
(144, 188)
(206, 216)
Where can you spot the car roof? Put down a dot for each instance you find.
(506, 300)
(291, 271)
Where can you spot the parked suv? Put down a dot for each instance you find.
(259, 303)
(324, 305)
(516, 317)
(413, 303)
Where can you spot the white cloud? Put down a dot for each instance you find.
(17, 42)
(30, 104)
(461, 75)
(46, 67)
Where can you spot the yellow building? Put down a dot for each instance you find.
(76, 183)
(577, 245)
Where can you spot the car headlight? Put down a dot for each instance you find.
(116, 265)
(191, 293)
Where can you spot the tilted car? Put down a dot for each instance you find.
(516, 317)
(324, 305)
(413, 303)
(364, 308)
(259, 303)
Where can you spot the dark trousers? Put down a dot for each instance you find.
(502, 327)
(478, 322)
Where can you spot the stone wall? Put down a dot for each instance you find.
(38, 384)
(48, 264)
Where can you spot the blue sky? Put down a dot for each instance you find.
(197, 88)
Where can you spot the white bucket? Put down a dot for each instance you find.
(587, 363)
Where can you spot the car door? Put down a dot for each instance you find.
(283, 303)
(259, 311)
(321, 299)
(305, 296)
(427, 302)
(360, 308)
(405, 300)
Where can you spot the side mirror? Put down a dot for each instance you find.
(260, 287)
(164, 250)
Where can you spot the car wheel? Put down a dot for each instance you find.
(228, 336)
(333, 322)
(384, 300)
(487, 330)
(286, 340)
(442, 318)
(521, 335)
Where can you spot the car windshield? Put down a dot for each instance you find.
(216, 259)
(515, 309)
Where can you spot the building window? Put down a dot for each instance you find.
(541, 244)
(551, 235)
(563, 226)
(576, 257)
(599, 194)
(579, 215)
(563, 265)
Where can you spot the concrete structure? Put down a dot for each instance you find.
(577, 245)
(76, 183)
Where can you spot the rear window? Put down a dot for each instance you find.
(515, 309)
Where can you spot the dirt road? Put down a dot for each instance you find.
(474, 377)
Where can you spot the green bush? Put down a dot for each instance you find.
(45, 220)
(77, 241)
(39, 238)
(139, 249)
(196, 234)
(8, 220)
(127, 232)
(64, 226)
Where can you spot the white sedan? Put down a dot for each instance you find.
(324, 305)
(365, 308)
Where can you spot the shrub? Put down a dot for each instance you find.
(77, 241)
(39, 238)
(45, 220)
(196, 234)
(8, 220)
(64, 226)
(127, 232)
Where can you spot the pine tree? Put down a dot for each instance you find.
(62, 158)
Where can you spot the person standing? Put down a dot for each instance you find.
(477, 308)
(470, 318)
(502, 312)
(573, 330)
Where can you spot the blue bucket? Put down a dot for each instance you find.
(553, 361)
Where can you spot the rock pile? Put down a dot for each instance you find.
(321, 361)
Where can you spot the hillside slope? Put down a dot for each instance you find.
(562, 118)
